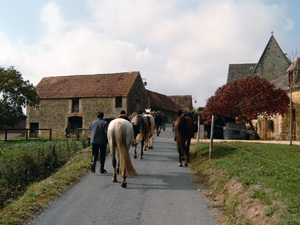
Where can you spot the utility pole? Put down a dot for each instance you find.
(291, 110)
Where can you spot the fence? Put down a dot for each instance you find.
(29, 133)
(242, 133)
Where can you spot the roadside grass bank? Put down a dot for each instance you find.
(38, 195)
(252, 183)
(24, 163)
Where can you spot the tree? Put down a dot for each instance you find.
(245, 100)
(15, 94)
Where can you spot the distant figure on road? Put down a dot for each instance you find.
(98, 130)
(123, 115)
(67, 131)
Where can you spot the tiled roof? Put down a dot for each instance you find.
(162, 102)
(282, 82)
(80, 86)
(295, 66)
(184, 101)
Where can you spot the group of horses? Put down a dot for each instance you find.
(124, 132)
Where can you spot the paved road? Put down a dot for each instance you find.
(161, 194)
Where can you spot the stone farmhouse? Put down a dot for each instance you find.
(74, 101)
(273, 66)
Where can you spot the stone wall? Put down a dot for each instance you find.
(137, 92)
(286, 118)
(51, 114)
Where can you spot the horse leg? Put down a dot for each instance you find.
(187, 153)
(114, 163)
(146, 142)
(150, 143)
(142, 146)
(135, 155)
(123, 183)
(180, 157)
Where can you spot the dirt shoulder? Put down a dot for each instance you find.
(194, 140)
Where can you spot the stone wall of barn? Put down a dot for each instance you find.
(55, 113)
(50, 114)
(296, 123)
(137, 92)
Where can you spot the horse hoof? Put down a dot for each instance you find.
(186, 164)
(141, 157)
(124, 185)
(145, 149)
(180, 164)
(114, 180)
(151, 147)
(135, 156)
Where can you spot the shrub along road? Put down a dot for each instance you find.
(162, 194)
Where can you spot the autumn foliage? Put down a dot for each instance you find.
(245, 99)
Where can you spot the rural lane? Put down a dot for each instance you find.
(162, 194)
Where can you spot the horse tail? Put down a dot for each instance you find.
(181, 134)
(123, 149)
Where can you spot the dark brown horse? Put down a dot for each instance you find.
(159, 121)
(184, 131)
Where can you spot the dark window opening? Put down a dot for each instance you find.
(138, 105)
(75, 105)
(34, 129)
(75, 123)
(118, 102)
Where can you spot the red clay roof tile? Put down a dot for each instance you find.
(86, 86)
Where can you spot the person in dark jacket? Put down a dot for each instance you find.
(98, 140)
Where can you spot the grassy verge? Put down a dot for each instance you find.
(39, 195)
(254, 183)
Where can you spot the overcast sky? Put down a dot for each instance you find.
(181, 47)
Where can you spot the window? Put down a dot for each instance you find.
(75, 105)
(118, 102)
(138, 105)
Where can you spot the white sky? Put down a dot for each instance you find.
(181, 47)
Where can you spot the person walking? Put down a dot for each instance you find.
(98, 130)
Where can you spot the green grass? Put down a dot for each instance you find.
(14, 148)
(39, 195)
(274, 168)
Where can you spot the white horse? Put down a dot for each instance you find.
(151, 134)
(120, 136)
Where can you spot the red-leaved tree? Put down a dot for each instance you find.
(246, 99)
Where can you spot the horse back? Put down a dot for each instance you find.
(184, 127)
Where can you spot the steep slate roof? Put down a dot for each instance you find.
(240, 71)
(85, 86)
(283, 82)
(162, 102)
(184, 101)
(271, 65)
(279, 53)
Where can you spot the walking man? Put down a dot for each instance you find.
(98, 130)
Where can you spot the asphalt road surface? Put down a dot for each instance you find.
(162, 194)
